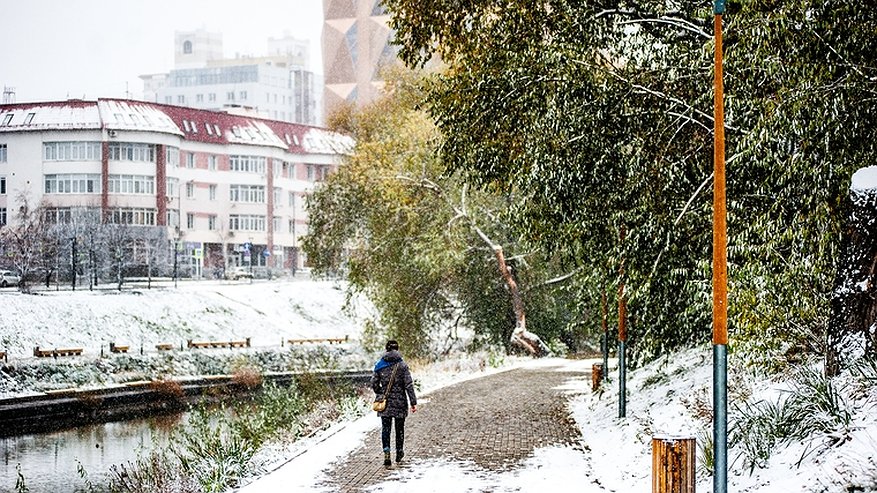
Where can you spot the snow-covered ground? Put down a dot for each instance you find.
(268, 312)
(669, 396)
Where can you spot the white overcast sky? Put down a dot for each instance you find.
(55, 49)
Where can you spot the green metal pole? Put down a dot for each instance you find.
(720, 425)
(720, 275)
(605, 345)
(622, 377)
(622, 341)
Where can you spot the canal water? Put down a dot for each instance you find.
(50, 462)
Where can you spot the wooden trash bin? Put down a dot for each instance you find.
(673, 464)
(596, 376)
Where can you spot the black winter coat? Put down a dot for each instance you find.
(397, 404)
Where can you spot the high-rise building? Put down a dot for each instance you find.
(356, 46)
(276, 86)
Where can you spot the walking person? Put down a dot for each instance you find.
(393, 384)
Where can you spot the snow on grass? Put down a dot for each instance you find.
(267, 312)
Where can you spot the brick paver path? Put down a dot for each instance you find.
(494, 421)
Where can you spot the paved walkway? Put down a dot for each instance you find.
(494, 421)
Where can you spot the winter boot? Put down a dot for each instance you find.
(387, 458)
(399, 455)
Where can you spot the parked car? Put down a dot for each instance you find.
(236, 273)
(9, 278)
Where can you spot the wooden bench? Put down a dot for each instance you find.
(69, 352)
(164, 347)
(54, 353)
(118, 349)
(218, 344)
(43, 353)
(328, 340)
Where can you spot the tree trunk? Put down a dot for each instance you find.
(521, 337)
(851, 327)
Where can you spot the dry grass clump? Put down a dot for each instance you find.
(170, 389)
(247, 377)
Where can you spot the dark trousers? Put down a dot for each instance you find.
(386, 424)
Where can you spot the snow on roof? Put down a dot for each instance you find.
(252, 131)
(134, 115)
(189, 123)
(321, 141)
(67, 115)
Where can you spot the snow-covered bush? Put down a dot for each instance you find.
(813, 407)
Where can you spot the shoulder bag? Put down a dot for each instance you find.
(380, 405)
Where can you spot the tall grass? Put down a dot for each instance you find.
(814, 408)
(216, 448)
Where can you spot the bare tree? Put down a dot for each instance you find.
(25, 241)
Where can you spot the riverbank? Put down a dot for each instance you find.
(72, 408)
(267, 313)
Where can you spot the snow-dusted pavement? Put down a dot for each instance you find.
(508, 431)
(608, 454)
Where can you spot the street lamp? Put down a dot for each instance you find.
(720, 275)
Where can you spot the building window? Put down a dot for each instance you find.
(71, 151)
(3, 216)
(190, 190)
(211, 223)
(229, 95)
(247, 164)
(310, 172)
(173, 218)
(211, 160)
(276, 224)
(278, 194)
(292, 199)
(80, 184)
(190, 221)
(132, 184)
(2, 185)
(245, 222)
(172, 156)
(190, 160)
(199, 98)
(211, 96)
(172, 187)
(168, 99)
(129, 151)
(212, 190)
(291, 226)
(3, 153)
(324, 173)
(187, 47)
(132, 215)
(247, 193)
(181, 99)
(29, 118)
(7, 120)
(243, 95)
